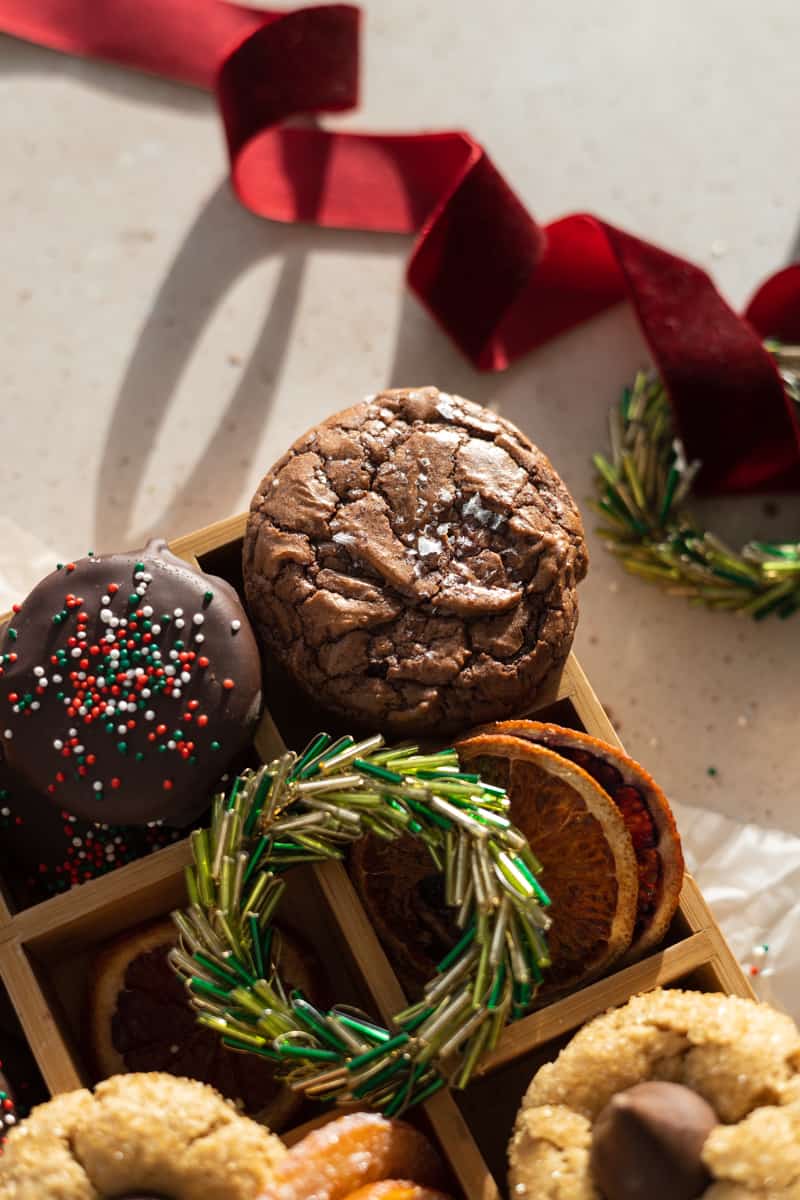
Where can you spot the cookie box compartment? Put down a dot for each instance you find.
(23, 1086)
(44, 950)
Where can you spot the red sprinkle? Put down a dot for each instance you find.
(228, 684)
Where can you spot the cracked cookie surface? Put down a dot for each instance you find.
(414, 560)
(148, 1134)
(741, 1057)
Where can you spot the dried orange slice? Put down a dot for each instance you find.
(348, 1154)
(403, 892)
(140, 1020)
(645, 810)
(580, 838)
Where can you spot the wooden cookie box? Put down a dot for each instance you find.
(44, 950)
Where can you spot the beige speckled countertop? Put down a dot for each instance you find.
(162, 346)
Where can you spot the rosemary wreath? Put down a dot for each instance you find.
(309, 808)
(641, 495)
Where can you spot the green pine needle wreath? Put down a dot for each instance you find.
(309, 808)
(641, 496)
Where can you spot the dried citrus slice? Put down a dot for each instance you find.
(580, 838)
(645, 810)
(140, 1020)
(403, 892)
(346, 1155)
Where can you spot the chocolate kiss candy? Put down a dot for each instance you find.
(646, 1143)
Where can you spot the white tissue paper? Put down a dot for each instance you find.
(750, 877)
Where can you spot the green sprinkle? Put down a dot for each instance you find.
(712, 771)
(286, 1050)
(362, 1060)
(208, 597)
(233, 1043)
(376, 1081)
(12, 633)
(122, 747)
(372, 1032)
(213, 966)
(429, 1090)
(368, 768)
(215, 745)
(457, 950)
(204, 988)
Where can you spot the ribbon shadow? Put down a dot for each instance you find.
(224, 242)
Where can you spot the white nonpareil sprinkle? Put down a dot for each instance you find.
(149, 715)
(179, 624)
(38, 672)
(8, 733)
(198, 618)
(97, 785)
(198, 637)
(236, 626)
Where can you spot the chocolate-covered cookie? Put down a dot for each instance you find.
(413, 563)
(129, 682)
(21, 1084)
(44, 852)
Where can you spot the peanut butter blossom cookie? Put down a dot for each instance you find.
(677, 1095)
(413, 562)
(117, 1142)
(127, 683)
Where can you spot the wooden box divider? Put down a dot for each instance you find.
(695, 955)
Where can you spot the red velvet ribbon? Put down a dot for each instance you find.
(497, 282)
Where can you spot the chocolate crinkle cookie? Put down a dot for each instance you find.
(135, 1137)
(412, 562)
